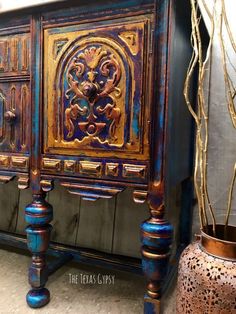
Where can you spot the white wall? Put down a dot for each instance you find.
(6, 5)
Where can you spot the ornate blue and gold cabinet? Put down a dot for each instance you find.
(91, 97)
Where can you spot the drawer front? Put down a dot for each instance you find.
(14, 99)
(96, 82)
(14, 116)
(15, 54)
(14, 92)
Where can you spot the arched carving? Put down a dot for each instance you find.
(93, 80)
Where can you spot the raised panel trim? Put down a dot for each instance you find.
(4, 161)
(19, 162)
(51, 164)
(134, 171)
(90, 168)
(70, 166)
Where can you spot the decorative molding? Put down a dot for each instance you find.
(70, 166)
(4, 161)
(130, 38)
(91, 168)
(100, 114)
(6, 179)
(23, 182)
(51, 164)
(100, 85)
(139, 196)
(25, 54)
(134, 171)
(90, 192)
(3, 55)
(24, 103)
(47, 185)
(2, 120)
(14, 54)
(20, 162)
(112, 169)
(58, 45)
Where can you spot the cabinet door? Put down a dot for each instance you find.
(96, 83)
(14, 100)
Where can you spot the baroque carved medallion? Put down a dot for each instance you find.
(93, 77)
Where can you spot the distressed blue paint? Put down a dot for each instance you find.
(34, 241)
(36, 91)
(109, 8)
(160, 36)
(38, 213)
(149, 308)
(164, 228)
(36, 238)
(38, 220)
(37, 298)
(155, 269)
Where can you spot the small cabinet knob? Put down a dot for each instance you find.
(9, 116)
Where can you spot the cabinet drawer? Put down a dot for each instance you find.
(15, 54)
(14, 116)
(96, 83)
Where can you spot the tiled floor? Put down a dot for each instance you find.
(74, 289)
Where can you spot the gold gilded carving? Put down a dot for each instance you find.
(58, 45)
(112, 169)
(51, 164)
(84, 117)
(134, 171)
(132, 41)
(19, 162)
(4, 161)
(97, 61)
(69, 165)
(89, 167)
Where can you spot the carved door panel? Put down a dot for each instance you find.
(14, 101)
(96, 80)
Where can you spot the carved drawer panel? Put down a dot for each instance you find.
(96, 80)
(14, 116)
(14, 54)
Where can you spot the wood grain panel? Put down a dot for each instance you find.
(9, 199)
(95, 229)
(65, 215)
(127, 220)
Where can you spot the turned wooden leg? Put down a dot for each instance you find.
(156, 236)
(38, 214)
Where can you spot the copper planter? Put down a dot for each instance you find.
(207, 275)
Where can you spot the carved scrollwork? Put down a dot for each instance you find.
(93, 77)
